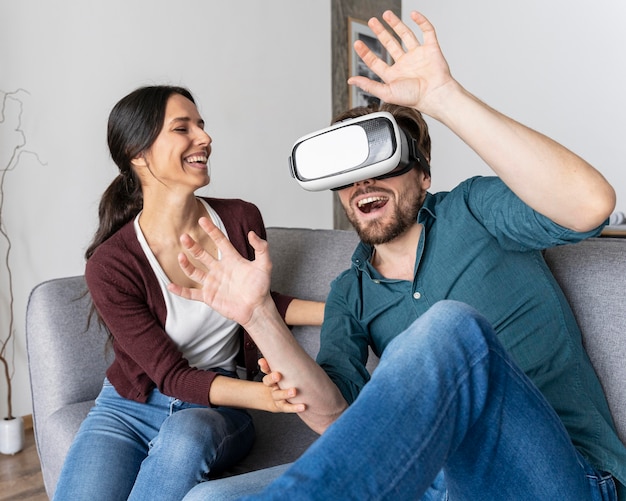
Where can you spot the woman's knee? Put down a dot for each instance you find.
(202, 432)
(190, 432)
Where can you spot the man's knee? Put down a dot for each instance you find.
(445, 326)
(452, 315)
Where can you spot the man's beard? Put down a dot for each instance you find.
(381, 232)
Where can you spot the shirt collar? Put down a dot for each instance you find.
(428, 210)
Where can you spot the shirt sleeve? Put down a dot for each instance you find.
(343, 345)
(514, 224)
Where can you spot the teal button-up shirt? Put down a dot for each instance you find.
(481, 245)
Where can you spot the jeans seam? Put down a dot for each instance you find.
(461, 377)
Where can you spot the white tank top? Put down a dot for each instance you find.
(205, 338)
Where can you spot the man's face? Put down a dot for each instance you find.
(381, 210)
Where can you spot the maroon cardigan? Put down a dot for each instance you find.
(127, 296)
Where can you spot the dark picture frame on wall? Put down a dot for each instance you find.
(345, 62)
(359, 30)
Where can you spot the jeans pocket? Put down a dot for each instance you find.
(602, 486)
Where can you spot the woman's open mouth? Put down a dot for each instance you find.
(199, 161)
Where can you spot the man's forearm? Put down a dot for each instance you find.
(544, 174)
(323, 400)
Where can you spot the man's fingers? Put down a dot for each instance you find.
(407, 35)
(185, 292)
(195, 249)
(259, 245)
(388, 41)
(220, 240)
(196, 274)
(213, 231)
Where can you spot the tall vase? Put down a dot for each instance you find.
(11, 435)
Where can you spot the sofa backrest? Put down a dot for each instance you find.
(592, 275)
(305, 262)
(67, 356)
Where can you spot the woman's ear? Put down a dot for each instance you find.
(139, 160)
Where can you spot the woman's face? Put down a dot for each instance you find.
(179, 156)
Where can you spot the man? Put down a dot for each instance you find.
(483, 390)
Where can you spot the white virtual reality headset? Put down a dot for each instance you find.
(366, 147)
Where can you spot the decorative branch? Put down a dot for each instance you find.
(13, 161)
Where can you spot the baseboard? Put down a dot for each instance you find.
(28, 421)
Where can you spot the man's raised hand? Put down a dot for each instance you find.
(231, 285)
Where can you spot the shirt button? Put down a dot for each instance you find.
(376, 281)
(416, 295)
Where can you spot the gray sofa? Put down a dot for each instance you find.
(67, 356)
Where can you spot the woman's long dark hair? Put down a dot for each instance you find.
(134, 124)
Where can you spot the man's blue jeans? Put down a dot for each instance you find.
(153, 451)
(446, 413)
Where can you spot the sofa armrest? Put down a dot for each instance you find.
(67, 364)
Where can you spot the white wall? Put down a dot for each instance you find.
(261, 73)
(557, 66)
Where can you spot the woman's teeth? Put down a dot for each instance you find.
(197, 159)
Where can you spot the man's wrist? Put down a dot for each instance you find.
(262, 316)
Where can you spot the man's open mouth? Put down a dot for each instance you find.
(367, 205)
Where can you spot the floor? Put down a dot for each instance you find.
(20, 474)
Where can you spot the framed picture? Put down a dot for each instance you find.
(359, 30)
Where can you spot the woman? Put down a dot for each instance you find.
(169, 414)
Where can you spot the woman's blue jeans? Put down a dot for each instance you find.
(156, 450)
(447, 414)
